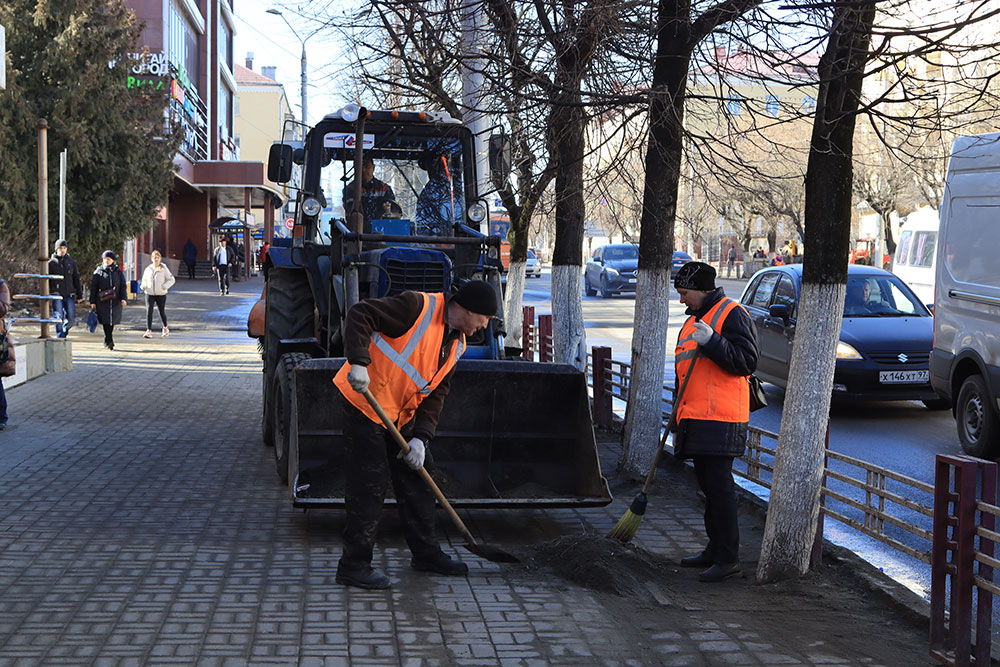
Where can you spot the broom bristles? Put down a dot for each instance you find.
(628, 525)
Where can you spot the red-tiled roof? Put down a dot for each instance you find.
(244, 75)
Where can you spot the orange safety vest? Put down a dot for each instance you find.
(712, 393)
(404, 371)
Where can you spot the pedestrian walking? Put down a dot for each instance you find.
(223, 260)
(392, 345)
(190, 255)
(68, 287)
(717, 346)
(732, 262)
(107, 295)
(6, 350)
(156, 280)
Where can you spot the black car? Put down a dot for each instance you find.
(612, 269)
(680, 259)
(885, 337)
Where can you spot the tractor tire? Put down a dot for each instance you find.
(289, 314)
(587, 289)
(282, 410)
(978, 427)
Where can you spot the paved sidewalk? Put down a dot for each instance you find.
(141, 522)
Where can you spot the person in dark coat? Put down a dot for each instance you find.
(190, 255)
(69, 287)
(717, 347)
(109, 312)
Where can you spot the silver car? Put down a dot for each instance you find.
(532, 267)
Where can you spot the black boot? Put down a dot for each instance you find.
(440, 563)
(720, 572)
(701, 560)
(362, 577)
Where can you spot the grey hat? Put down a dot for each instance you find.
(696, 276)
(61, 243)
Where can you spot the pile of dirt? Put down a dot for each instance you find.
(596, 562)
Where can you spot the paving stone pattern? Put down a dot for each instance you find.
(142, 523)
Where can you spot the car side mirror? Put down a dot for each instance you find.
(780, 311)
(279, 163)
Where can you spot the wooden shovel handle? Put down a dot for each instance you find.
(670, 422)
(403, 445)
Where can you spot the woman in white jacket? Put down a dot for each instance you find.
(156, 280)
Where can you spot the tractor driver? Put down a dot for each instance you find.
(377, 199)
(403, 348)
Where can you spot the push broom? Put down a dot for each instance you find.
(627, 526)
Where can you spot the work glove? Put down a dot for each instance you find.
(357, 377)
(702, 332)
(415, 459)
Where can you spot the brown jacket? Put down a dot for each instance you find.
(393, 316)
(4, 298)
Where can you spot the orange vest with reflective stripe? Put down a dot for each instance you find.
(405, 370)
(712, 393)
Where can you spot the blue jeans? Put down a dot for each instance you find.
(3, 405)
(64, 309)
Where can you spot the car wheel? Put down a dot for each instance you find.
(587, 289)
(976, 419)
(282, 410)
(606, 292)
(937, 403)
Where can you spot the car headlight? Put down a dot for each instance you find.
(350, 112)
(611, 272)
(311, 207)
(477, 211)
(845, 351)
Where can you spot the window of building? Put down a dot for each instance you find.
(773, 106)
(734, 105)
(236, 107)
(225, 113)
(183, 44)
(808, 103)
(225, 43)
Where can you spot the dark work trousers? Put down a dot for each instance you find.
(223, 278)
(160, 301)
(108, 336)
(369, 458)
(190, 268)
(715, 479)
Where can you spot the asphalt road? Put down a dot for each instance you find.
(904, 437)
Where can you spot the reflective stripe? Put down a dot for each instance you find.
(684, 356)
(402, 359)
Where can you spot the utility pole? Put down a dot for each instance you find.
(305, 116)
(472, 92)
(43, 220)
(62, 194)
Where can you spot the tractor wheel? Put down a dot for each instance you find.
(289, 314)
(282, 410)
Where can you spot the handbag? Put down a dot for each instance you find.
(106, 294)
(758, 399)
(92, 321)
(8, 365)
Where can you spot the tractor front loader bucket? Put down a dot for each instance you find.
(512, 434)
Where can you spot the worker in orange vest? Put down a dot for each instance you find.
(404, 348)
(717, 347)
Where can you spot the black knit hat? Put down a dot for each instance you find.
(696, 276)
(478, 297)
(109, 253)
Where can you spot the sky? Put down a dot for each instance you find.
(273, 43)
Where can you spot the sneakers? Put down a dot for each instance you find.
(148, 334)
(701, 560)
(440, 563)
(365, 577)
(166, 332)
(720, 572)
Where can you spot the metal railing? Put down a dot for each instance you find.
(42, 299)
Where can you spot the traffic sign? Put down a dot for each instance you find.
(289, 223)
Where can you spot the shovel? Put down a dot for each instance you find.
(487, 551)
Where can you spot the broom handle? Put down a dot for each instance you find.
(670, 422)
(403, 445)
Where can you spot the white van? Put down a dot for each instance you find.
(965, 361)
(916, 255)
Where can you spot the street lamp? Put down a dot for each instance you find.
(305, 117)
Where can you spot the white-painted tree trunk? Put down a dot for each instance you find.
(798, 464)
(568, 333)
(649, 339)
(513, 315)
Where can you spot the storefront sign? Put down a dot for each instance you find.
(149, 64)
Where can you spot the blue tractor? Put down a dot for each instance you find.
(512, 433)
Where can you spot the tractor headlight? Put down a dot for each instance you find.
(311, 207)
(350, 112)
(477, 211)
(492, 253)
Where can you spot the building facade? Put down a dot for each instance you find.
(187, 45)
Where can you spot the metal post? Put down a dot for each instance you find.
(305, 117)
(816, 557)
(527, 326)
(602, 385)
(62, 194)
(43, 219)
(940, 546)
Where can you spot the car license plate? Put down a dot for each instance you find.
(904, 377)
(631, 280)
